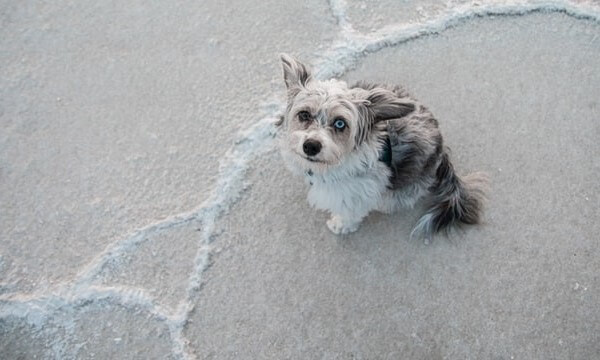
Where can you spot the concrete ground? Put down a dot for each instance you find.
(145, 212)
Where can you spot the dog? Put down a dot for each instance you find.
(371, 147)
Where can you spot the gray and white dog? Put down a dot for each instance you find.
(371, 147)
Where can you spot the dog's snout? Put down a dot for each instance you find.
(311, 147)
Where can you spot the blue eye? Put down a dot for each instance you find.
(339, 124)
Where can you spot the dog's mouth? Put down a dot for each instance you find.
(312, 160)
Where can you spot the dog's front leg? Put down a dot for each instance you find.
(346, 223)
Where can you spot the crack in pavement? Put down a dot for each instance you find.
(343, 54)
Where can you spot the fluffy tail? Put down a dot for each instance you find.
(455, 201)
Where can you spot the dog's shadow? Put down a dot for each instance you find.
(388, 236)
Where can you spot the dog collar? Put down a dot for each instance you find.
(385, 156)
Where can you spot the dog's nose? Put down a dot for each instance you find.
(311, 147)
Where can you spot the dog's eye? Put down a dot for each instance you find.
(339, 124)
(304, 116)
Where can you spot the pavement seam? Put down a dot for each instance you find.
(342, 55)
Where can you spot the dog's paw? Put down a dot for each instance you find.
(338, 226)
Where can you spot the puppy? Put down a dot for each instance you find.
(371, 147)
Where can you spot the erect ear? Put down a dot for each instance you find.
(385, 105)
(295, 74)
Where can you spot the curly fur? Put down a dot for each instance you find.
(346, 177)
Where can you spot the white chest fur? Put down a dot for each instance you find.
(349, 195)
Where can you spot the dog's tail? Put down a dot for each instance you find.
(454, 201)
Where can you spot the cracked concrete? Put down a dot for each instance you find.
(145, 214)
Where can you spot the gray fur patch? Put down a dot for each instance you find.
(420, 159)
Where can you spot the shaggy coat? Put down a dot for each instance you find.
(371, 147)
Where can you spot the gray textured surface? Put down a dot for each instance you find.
(373, 15)
(524, 285)
(121, 236)
(116, 114)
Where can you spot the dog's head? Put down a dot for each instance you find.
(326, 122)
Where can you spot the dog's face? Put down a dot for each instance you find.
(326, 121)
(322, 123)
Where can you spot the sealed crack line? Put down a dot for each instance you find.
(38, 307)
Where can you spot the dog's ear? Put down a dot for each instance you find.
(295, 74)
(384, 105)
